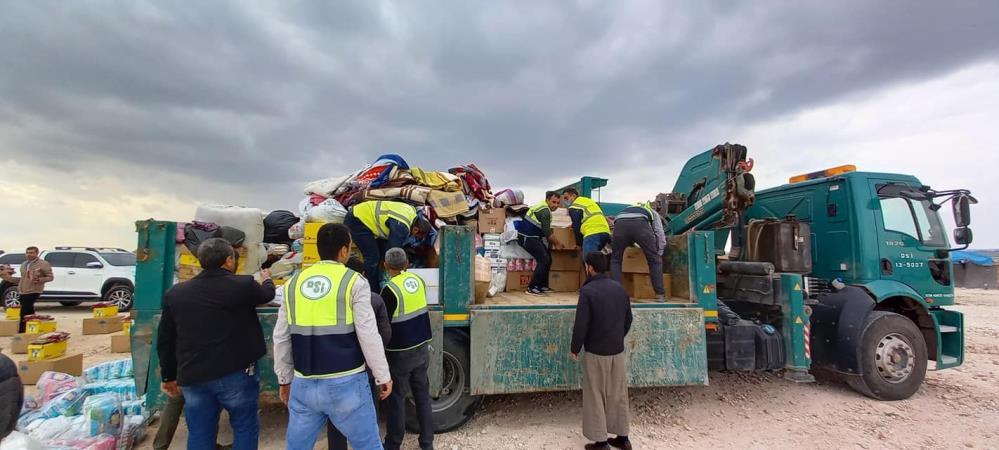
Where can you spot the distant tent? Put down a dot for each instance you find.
(964, 256)
(974, 270)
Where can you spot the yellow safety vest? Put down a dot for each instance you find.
(532, 214)
(632, 212)
(593, 221)
(410, 320)
(375, 214)
(319, 314)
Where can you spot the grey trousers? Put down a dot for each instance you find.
(628, 232)
(605, 396)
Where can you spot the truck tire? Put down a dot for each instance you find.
(11, 298)
(455, 406)
(121, 295)
(893, 358)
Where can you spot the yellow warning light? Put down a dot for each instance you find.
(823, 173)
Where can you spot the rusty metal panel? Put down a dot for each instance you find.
(528, 350)
(436, 371)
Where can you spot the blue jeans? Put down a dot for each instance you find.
(239, 394)
(345, 401)
(594, 243)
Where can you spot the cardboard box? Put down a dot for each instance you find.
(19, 343)
(311, 231)
(564, 281)
(481, 290)
(105, 311)
(13, 313)
(518, 281)
(565, 237)
(47, 351)
(639, 285)
(39, 327)
(492, 220)
(30, 371)
(567, 260)
(189, 267)
(9, 327)
(121, 343)
(634, 261)
(106, 325)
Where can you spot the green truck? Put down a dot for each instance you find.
(842, 270)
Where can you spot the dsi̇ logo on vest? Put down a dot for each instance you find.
(316, 287)
(411, 285)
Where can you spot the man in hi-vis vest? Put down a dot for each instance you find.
(378, 225)
(588, 221)
(408, 352)
(325, 336)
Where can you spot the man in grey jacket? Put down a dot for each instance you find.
(35, 272)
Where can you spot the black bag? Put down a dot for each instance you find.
(276, 226)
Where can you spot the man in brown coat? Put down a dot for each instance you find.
(35, 272)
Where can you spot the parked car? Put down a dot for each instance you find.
(81, 274)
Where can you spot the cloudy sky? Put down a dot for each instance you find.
(112, 111)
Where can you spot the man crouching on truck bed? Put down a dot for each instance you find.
(531, 235)
(378, 225)
(603, 319)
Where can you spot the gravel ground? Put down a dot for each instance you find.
(955, 408)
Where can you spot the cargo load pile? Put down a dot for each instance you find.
(99, 410)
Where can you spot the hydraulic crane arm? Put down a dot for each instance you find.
(712, 192)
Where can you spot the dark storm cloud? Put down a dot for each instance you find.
(301, 90)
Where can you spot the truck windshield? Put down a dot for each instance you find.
(119, 259)
(914, 218)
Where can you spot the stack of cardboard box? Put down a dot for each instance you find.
(567, 262)
(636, 278)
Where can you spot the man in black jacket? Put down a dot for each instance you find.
(603, 319)
(209, 343)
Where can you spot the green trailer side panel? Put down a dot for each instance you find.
(528, 350)
(457, 261)
(154, 274)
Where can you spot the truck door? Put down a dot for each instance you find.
(909, 233)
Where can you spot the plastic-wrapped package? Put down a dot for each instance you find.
(134, 407)
(30, 402)
(123, 389)
(57, 428)
(20, 441)
(103, 414)
(247, 220)
(329, 211)
(111, 370)
(498, 282)
(297, 231)
(67, 403)
(102, 442)
(326, 186)
(51, 384)
(256, 256)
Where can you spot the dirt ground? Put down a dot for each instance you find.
(956, 408)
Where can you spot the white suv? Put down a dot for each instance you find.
(80, 274)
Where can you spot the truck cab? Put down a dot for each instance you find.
(881, 234)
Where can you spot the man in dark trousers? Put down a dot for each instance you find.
(378, 225)
(603, 318)
(335, 440)
(408, 352)
(35, 272)
(532, 232)
(640, 224)
(209, 342)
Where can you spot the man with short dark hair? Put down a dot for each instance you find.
(209, 342)
(378, 225)
(335, 440)
(408, 352)
(35, 272)
(532, 232)
(603, 319)
(324, 339)
(588, 221)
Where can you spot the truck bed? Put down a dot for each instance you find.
(554, 298)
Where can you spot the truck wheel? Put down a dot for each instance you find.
(11, 298)
(455, 406)
(893, 357)
(121, 295)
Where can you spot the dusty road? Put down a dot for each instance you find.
(957, 408)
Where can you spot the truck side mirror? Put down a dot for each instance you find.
(963, 236)
(962, 211)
